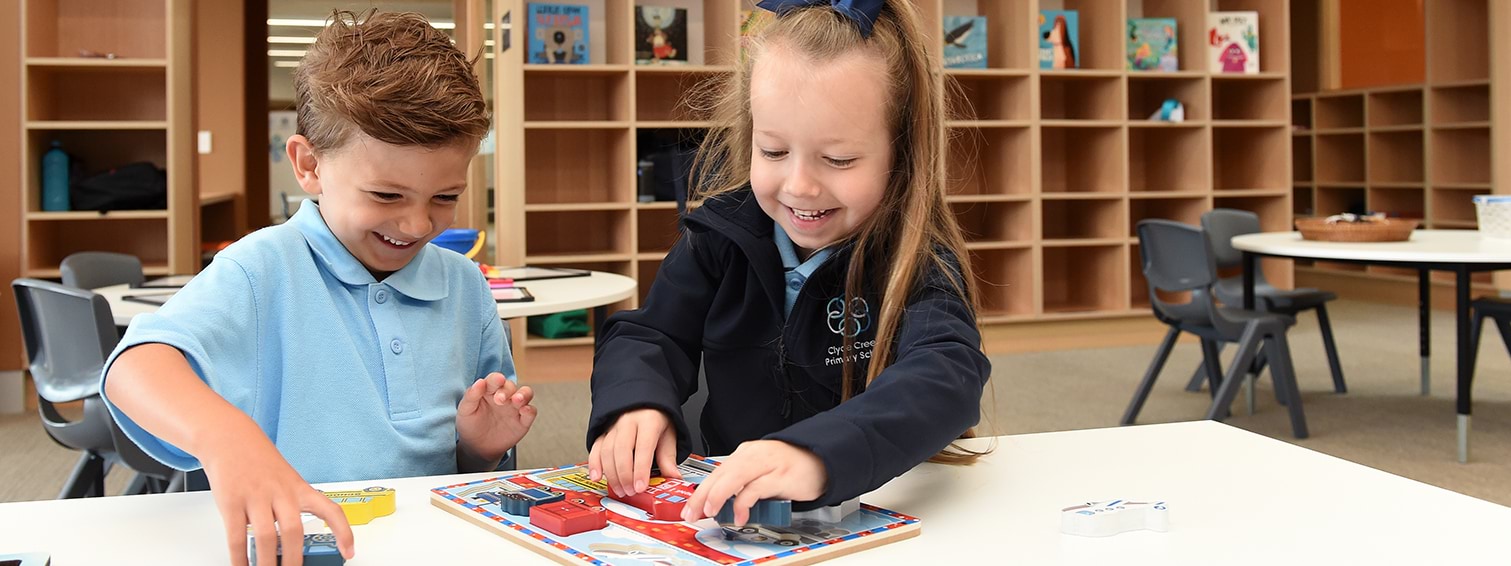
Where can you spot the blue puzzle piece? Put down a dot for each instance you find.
(319, 550)
(520, 502)
(768, 512)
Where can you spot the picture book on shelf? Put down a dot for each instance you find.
(660, 35)
(1233, 41)
(965, 42)
(1152, 45)
(1059, 39)
(558, 34)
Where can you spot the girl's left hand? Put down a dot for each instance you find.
(493, 416)
(760, 469)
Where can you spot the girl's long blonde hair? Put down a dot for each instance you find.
(913, 229)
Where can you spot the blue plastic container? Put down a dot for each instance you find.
(55, 179)
(459, 240)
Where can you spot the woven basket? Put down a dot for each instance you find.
(1391, 230)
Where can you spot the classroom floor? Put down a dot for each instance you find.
(1382, 422)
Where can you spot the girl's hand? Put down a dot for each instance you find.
(254, 485)
(493, 416)
(760, 469)
(622, 455)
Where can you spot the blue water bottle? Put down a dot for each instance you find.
(55, 179)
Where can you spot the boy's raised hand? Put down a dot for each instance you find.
(622, 456)
(493, 416)
(253, 485)
(760, 469)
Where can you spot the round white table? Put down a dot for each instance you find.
(1462, 252)
(596, 290)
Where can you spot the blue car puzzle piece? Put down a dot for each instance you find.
(768, 512)
(318, 549)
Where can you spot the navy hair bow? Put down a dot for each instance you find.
(862, 12)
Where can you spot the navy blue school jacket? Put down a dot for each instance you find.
(719, 296)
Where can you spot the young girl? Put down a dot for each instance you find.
(820, 283)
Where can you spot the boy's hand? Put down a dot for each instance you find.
(760, 469)
(493, 415)
(622, 455)
(254, 485)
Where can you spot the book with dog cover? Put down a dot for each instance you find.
(1059, 39)
(558, 34)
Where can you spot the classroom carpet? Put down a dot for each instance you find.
(1381, 422)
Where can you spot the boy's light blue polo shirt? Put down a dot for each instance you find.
(351, 378)
(797, 273)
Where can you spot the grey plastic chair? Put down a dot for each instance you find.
(68, 333)
(1498, 310)
(92, 270)
(1177, 258)
(1221, 225)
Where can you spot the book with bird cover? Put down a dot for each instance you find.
(965, 42)
(1152, 45)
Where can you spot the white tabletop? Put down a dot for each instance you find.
(1234, 497)
(1443, 246)
(551, 296)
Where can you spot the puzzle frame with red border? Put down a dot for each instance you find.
(634, 537)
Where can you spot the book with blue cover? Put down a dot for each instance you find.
(1059, 39)
(1152, 45)
(965, 42)
(558, 34)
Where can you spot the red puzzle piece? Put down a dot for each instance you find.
(663, 501)
(567, 518)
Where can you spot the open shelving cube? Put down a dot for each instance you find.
(1457, 105)
(94, 151)
(1072, 96)
(129, 29)
(990, 223)
(989, 161)
(1082, 218)
(1186, 210)
(578, 166)
(1103, 45)
(1398, 202)
(1458, 33)
(1453, 208)
(54, 238)
(1010, 31)
(1339, 158)
(1082, 159)
(1147, 92)
(1337, 200)
(656, 230)
(1395, 157)
(1004, 278)
(1390, 108)
(114, 93)
(572, 93)
(1251, 158)
(1249, 98)
(664, 96)
(1301, 159)
(1339, 111)
(1165, 158)
(990, 97)
(563, 234)
(1085, 278)
(1460, 156)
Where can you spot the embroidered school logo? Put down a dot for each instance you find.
(849, 322)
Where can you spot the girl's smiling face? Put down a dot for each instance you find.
(821, 145)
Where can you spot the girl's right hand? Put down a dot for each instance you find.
(622, 456)
(254, 485)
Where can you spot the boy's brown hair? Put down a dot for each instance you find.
(391, 76)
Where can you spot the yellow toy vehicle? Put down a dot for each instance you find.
(361, 507)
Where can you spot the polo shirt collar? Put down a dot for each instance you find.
(422, 279)
(788, 250)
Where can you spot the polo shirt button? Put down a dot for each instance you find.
(381, 296)
(795, 283)
(396, 346)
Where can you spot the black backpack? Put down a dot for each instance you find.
(134, 186)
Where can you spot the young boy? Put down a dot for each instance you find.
(338, 346)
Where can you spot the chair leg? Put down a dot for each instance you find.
(1248, 347)
(1505, 327)
(87, 479)
(1155, 365)
(140, 484)
(1331, 347)
(177, 483)
(1199, 375)
(1211, 359)
(1282, 371)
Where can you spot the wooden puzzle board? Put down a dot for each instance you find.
(632, 538)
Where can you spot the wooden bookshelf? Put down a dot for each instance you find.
(1048, 173)
(108, 112)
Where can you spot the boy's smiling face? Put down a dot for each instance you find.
(383, 201)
